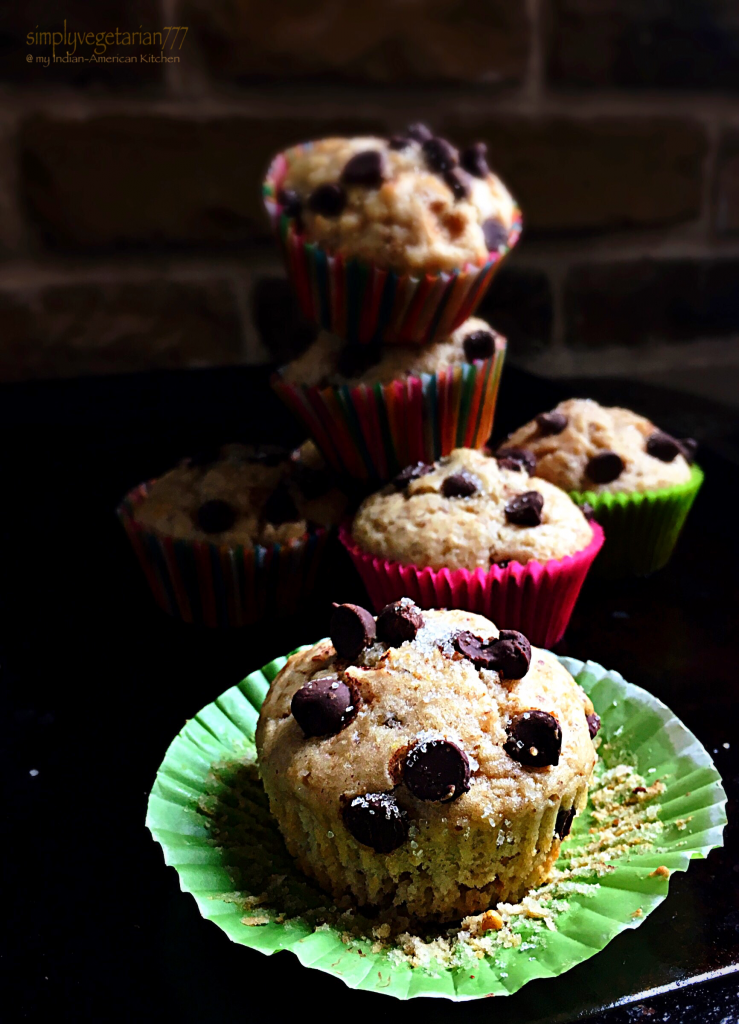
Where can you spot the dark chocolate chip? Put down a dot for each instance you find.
(437, 770)
(354, 360)
(504, 564)
(689, 447)
(216, 516)
(441, 156)
(534, 739)
(266, 454)
(551, 423)
(523, 458)
(419, 132)
(460, 485)
(495, 234)
(328, 200)
(662, 446)
(375, 820)
(322, 707)
(392, 722)
(280, 508)
(588, 511)
(474, 161)
(604, 467)
(399, 142)
(352, 629)
(398, 622)
(458, 182)
(313, 483)
(478, 345)
(205, 456)
(404, 477)
(509, 654)
(593, 724)
(563, 824)
(366, 168)
(291, 203)
(525, 509)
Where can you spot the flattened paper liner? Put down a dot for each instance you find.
(641, 528)
(636, 727)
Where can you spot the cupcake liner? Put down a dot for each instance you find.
(536, 598)
(218, 584)
(362, 302)
(372, 431)
(197, 784)
(641, 527)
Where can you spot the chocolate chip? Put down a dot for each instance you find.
(375, 820)
(588, 511)
(322, 707)
(551, 423)
(458, 182)
(604, 467)
(593, 724)
(495, 234)
(354, 360)
(478, 345)
(662, 446)
(404, 477)
(352, 629)
(313, 483)
(399, 142)
(398, 622)
(290, 201)
(419, 132)
(509, 654)
(392, 722)
(266, 454)
(689, 447)
(440, 155)
(525, 509)
(563, 824)
(215, 516)
(534, 739)
(365, 168)
(280, 508)
(504, 563)
(522, 457)
(437, 770)
(328, 200)
(460, 485)
(474, 161)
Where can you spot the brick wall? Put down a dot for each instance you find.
(131, 230)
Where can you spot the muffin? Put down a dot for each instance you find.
(638, 480)
(390, 239)
(426, 760)
(234, 532)
(375, 409)
(473, 532)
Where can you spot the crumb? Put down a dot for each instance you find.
(660, 872)
(638, 912)
(255, 919)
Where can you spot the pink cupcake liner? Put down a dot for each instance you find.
(536, 598)
(362, 302)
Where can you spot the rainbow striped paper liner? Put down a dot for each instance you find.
(641, 528)
(372, 431)
(222, 585)
(536, 598)
(362, 302)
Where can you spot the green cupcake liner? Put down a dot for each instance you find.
(641, 528)
(208, 776)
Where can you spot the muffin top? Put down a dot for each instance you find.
(470, 511)
(243, 494)
(582, 446)
(435, 714)
(331, 362)
(409, 203)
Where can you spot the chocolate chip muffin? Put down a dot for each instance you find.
(410, 203)
(470, 511)
(425, 759)
(329, 361)
(582, 446)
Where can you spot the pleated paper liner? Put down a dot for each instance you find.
(537, 598)
(362, 302)
(210, 815)
(222, 585)
(372, 431)
(641, 528)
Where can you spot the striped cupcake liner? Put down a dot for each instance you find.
(222, 585)
(537, 598)
(641, 528)
(372, 431)
(362, 302)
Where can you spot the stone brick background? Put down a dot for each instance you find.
(131, 228)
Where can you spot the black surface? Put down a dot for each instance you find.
(96, 682)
